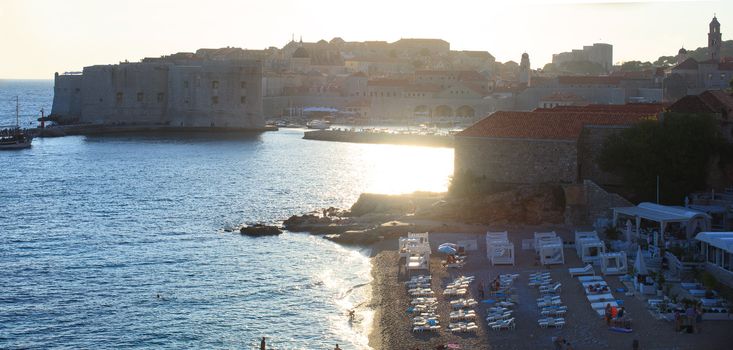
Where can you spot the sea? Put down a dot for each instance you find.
(120, 242)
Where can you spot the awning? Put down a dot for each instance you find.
(722, 240)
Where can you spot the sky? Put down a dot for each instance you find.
(40, 37)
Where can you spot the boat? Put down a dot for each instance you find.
(318, 124)
(15, 138)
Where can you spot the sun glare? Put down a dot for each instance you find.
(402, 169)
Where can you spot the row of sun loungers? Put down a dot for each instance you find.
(423, 305)
(550, 305)
(500, 316)
(462, 317)
(596, 289)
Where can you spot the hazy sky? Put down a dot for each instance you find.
(40, 37)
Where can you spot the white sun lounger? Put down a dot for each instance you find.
(589, 278)
(594, 298)
(602, 305)
(593, 283)
(582, 271)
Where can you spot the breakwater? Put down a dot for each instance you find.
(96, 129)
(380, 138)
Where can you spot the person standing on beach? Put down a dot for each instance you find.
(337, 347)
(607, 314)
(262, 344)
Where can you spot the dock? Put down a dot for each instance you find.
(426, 140)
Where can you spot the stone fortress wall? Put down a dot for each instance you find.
(224, 94)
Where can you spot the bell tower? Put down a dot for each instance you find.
(714, 40)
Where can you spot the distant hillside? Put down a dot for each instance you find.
(699, 54)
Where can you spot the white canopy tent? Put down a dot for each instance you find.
(493, 238)
(551, 251)
(692, 220)
(579, 236)
(538, 236)
(502, 253)
(591, 249)
(613, 263)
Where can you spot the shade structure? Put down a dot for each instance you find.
(640, 265)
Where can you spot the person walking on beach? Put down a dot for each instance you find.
(262, 344)
(607, 314)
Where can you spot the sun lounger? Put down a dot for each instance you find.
(582, 271)
(504, 324)
(425, 328)
(455, 292)
(554, 322)
(594, 283)
(594, 298)
(590, 278)
(602, 305)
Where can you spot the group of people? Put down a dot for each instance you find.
(598, 288)
(613, 314)
(690, 320)
(494, 286)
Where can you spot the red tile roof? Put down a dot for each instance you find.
(714, 101)
(546, 125)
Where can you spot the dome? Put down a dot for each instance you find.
(322, 42)
(301, 52)
(682, 51)
(525, 55)
(337, 41)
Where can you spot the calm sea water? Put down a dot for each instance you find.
(92, 229)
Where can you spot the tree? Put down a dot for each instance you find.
(677, 149)
(666, 61)
(635, 66)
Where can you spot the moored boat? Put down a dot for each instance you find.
(15, 138)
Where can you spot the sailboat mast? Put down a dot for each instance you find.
(17, 110)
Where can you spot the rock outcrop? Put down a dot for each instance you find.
(258, 230)
(529, 205)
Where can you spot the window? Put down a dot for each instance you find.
(161, 97)
(214, 100)
(243, 84)
(710, 76)
(118, 98)
(722, 76)
(243, 99)
(215, 84)
(140, 97)
(185, 84)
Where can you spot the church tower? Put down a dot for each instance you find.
(524, 70)
(714, 40)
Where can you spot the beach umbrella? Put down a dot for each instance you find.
(448, 244)
(639, 264)
(447, 249)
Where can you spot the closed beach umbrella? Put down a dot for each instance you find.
(640, 265)
(628, 231)
(447, 249)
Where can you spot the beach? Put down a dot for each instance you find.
(584, 328)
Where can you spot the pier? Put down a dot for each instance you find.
(412, 139)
